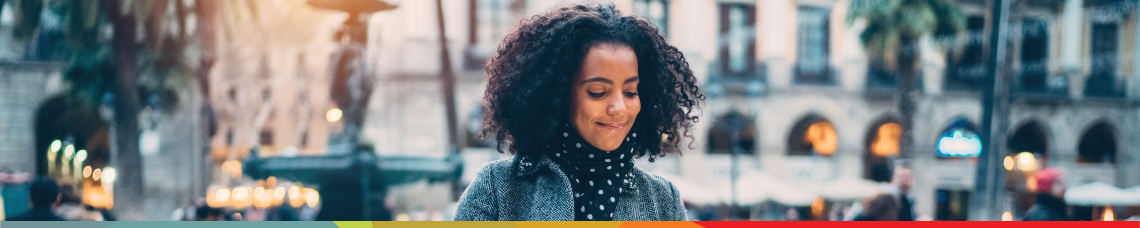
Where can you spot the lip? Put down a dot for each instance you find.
(612, 126)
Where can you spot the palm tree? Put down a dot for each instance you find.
(891, 36)
(123, 70)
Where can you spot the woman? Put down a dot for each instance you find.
(576, 94)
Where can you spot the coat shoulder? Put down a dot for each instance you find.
(664, 195)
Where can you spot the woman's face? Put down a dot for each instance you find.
(604, 96)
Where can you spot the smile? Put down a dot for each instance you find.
(612, 126)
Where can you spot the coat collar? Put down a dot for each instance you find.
(529, 166)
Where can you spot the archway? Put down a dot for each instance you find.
(881, 146)
(72, 145)
(812, 135)
(729, 128)
(1030, 137)
(1098, 145)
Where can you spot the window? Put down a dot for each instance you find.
(812, 135)
(488, 21)
(737, 40)
(812, 46)
(1098, 145)
(732, 131)
(1102, 81)
(657, 11)
(966, 68)
(1034, 54)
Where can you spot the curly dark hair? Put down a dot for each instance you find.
(529, 79)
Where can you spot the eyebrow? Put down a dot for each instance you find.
(607, 81)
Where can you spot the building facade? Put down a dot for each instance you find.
(814, 108)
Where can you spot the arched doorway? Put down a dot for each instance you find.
(72, 144)
(1028, 151)
(1098, 145)
(882, 146)
(1030, 137)
(812, 135)
(729, 129)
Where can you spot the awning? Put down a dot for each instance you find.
(848, 188)
(1099, 194)
(755, 187)
(691, 191)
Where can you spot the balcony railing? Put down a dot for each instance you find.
(965, 78)
(752, 82)
(824, 76)
(1104, 85)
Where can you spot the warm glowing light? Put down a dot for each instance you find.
(240, 194)
(109, 175)
(271, 182)
(311, 197)
(260, 198)
(278, 195)
(1007, 216)
(222, 195)
(295, 196)
(822, 137)
(1108, 216)
(1031, 184)
(817, 206)
(1026, 161)
(887, 140)
(1008, 163)
(80, 156)
(86, 171)
(68, 151)
(98, 173)
(55, 145)
(334, 115)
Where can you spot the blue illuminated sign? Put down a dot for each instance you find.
(955, 143)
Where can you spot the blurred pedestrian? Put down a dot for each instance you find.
(881, 207)
(44, 196)
(208, 213)
(71, 206)
(565, 94)
(902, 179)
(792, 215)
(1050, 206)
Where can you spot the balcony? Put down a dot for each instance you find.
(751, 82)
(804, 76)
(1035, 80)
(882, 82)
(969, 78)
(1104, 85)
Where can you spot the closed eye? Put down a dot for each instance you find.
(631, 94)
(596, 95)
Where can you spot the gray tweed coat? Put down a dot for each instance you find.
(517, 189)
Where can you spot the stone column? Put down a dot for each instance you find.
(1131, 87)
(1072, 19)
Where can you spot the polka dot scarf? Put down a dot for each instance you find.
(597, 177)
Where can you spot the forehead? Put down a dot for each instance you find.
(609, 61)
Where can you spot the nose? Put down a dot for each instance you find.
(616, 105)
